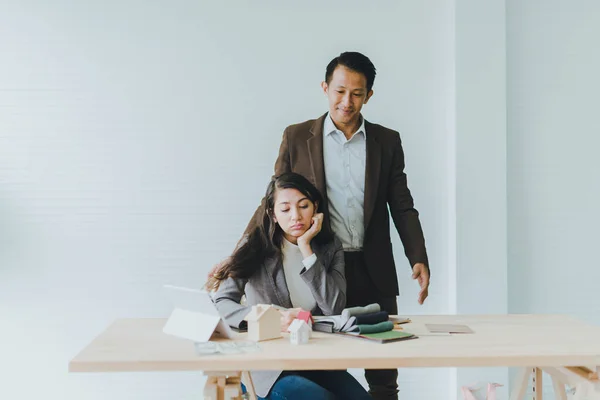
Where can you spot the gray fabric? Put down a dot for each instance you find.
(326, 279)
(353, 311)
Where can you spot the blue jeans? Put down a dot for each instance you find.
(317, 385)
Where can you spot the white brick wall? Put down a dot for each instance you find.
(137, 138)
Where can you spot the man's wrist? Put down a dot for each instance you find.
(420, 263)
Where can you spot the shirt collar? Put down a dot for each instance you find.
(329, 126)
(288, 244)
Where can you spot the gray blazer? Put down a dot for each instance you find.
(325, 278)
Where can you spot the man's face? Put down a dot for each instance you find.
(346, 92)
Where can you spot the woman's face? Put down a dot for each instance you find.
(293, 212)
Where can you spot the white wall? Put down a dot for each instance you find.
(554, 137)
(480, 173)
(136, 138)
(553, 141)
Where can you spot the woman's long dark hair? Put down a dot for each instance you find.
(264, 236)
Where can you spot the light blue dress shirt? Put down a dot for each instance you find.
(345, 166)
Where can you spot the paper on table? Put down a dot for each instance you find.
(232, 347)
(448, 328)
(421, 330)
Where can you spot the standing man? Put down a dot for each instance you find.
(359, 168)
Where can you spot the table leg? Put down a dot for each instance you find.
(247, 380)
(559, 389)
(559, 382)
(223, 385)
(233, 389)
(583, 372)
(521, 384)
(211, 389)
(537, 384)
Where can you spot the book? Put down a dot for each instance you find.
(323, 326)
(397, 320)
(334, 323)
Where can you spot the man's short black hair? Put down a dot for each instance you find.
(356, 62)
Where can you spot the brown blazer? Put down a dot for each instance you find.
(301, 151)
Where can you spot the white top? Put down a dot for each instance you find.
(345, 166)
(293, 264)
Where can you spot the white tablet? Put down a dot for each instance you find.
(194, 316)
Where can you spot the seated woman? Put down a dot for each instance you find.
(290, 259)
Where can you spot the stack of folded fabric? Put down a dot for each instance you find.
(356, 320)
(368, 319)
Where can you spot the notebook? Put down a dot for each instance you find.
(381, 337)
(448, 328)
(323, 326)
(397, 320)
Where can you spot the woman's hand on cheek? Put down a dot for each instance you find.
(315, 228)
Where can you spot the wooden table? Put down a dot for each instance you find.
(564, 347)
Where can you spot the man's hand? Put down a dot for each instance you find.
(421, 274)
(287, 317)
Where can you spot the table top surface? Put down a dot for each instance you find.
(139, 344)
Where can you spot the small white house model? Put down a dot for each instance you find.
(307, 317)
(299, 332)
(264, 323)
